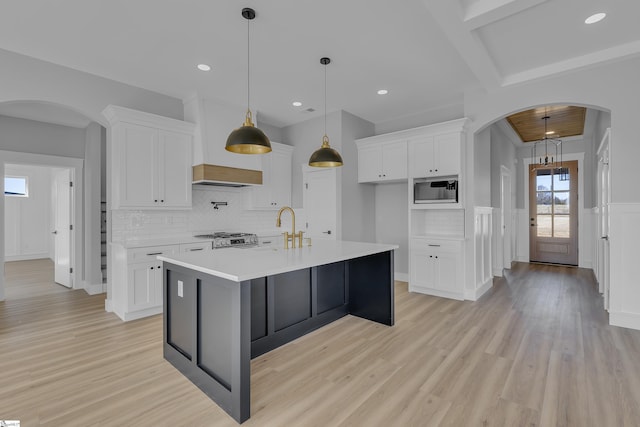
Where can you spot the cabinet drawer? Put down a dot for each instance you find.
(150, 253)
(435, 244)
(196, 247)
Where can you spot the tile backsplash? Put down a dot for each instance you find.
(140, 224)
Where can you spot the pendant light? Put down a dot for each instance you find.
(325, 156)
(248, 139)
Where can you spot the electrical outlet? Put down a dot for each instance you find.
(180, 289)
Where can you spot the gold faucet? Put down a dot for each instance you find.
(293, 234)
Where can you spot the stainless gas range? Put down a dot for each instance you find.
(224, 239)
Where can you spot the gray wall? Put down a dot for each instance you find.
(503, 153)
(358, 210)
(28, 136)
(392, 216)
(482, 169)
(306, 137)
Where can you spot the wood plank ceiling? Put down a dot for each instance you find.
(564, 121)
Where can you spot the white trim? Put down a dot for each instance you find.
(26, 257)
(402, 277)
(94, 288)
(479, 292)
(625, 320)
(582, 233)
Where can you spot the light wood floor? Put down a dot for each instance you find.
(536, 350)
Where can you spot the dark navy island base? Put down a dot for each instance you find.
(213, 327)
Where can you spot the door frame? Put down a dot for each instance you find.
(506, 216)
(602, 252)
(582, 235)
(76, 165)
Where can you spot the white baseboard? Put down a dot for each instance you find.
(625, 320)
(497, 272)
(403, 277)
(475, 295)
(108, 307)
(522, 259)
(437, 292)
(93, 288)
(26, 257)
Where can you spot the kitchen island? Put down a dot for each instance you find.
(223, 308)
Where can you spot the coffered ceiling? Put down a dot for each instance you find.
(426, 53)
(562, 121)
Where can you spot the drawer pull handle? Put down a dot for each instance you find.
(266, 242)
(195, 249)
(155, 253)
(435, 246)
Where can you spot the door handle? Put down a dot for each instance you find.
(54, 232)
(326, 232)
(605, 238)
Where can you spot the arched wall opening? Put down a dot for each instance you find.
(45, 133)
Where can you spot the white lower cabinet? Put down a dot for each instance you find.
(436, 267)
(136, 282)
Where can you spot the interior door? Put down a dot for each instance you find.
(553, 209)
(62, 226)
(604, 198)
(320, 204)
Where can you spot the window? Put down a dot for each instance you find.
(16, 186)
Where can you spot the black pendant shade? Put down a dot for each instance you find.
(325, 156)
(248, 139)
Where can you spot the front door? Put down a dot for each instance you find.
(62, 231)
(553, 209)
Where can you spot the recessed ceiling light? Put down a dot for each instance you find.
(596, 17)
(204, 67)
(297, 104)
(383, 92)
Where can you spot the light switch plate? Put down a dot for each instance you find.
(180, 289)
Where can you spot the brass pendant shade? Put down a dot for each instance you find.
(325, 156)
(248, 139)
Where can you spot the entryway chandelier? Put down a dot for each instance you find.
(552, 157)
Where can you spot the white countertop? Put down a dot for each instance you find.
(240, 264)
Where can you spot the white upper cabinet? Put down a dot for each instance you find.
(151, 158)
(275, 191)
(437, 155)
(381, 161)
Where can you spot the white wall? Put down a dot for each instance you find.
(26, 222)
(613, 87)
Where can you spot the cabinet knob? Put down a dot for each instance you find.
(436, 170)
(155, 201)
(151, 268)
(161, 201)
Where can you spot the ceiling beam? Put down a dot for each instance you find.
(485, 12)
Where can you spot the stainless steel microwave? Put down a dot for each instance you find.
(435, 190)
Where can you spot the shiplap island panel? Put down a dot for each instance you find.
(224, 307)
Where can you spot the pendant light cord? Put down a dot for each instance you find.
(325, 99)
(248, 68)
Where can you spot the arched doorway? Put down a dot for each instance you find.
(46, 135)
(510, 159)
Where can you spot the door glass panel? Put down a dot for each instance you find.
(543, 180)
(545, 226)
(544, 202)
(561, 226)
(561, 181)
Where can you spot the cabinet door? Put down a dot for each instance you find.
(174, 174)
(145, 285)
(447, 154)
(447, 265)
(280, 179)
(421, 157)
(423, 273)
(394, 160)
(138, 166)
(370, 163)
